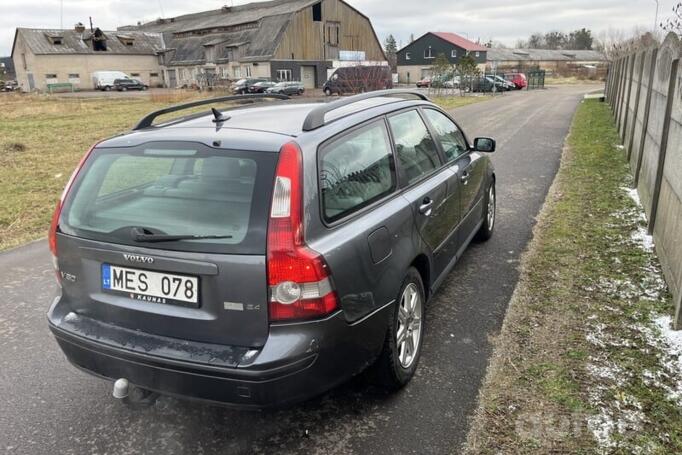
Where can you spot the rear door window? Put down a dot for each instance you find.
(355, 170)
(415, 149)
(187, 189)
(450, 137)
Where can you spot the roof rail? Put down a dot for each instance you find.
(148, 119)
(315, 118)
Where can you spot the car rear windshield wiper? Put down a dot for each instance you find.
(145, 235)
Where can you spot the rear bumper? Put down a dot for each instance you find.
(297, 362)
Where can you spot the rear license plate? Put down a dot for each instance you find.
(148, 286)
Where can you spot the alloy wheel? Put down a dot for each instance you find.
(409, 325)
(491, 207)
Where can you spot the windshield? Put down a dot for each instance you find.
(241, 81)
(173, 189)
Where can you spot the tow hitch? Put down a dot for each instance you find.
(132, 396)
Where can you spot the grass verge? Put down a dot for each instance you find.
(571, 80)
(581, 365)
(455, 101)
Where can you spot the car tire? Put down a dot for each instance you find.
(486, 230)
(397, 363)
(328, 92)
(124, 89)
(107, 88)
(300, 92)
(144, 88)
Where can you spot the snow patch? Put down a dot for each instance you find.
(643, 239)
(634, 195)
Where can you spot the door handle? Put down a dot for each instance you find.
(465, 177)
(426, 206)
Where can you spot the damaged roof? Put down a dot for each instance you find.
(255, 28)
(223, 17)
(55, 41)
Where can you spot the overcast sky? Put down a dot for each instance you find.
(500, 20)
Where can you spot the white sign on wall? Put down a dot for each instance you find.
(352, 55)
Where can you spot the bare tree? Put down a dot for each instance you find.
(615, 42)
(674, 22)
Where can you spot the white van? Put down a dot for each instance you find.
(104, 80)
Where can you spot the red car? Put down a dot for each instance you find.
(425, 82)
(518, 79)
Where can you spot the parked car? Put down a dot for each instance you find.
(243, 86)
(502, 83)
(484, 84)
(518, 79)
(452, 83)
(123, 85)
(260, 87)
(356, 79)
(424, 82)
(287, 88)
(104, 80)
(265, 261)
(8, 86)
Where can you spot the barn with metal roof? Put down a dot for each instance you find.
(280, 40)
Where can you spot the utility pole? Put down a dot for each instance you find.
(656, 17)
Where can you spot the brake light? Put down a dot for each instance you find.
(54, 224)
(298, 277)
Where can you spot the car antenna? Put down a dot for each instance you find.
(219, 118)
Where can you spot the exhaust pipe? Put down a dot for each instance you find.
(121, 388)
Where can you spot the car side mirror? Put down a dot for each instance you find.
(484, 144)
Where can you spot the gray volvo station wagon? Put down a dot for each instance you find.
(261, 254)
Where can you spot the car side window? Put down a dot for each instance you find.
(415, 148)
(450, 137)
(355, 170)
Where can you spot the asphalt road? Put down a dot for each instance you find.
(47, 406)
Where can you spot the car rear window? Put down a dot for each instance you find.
(175, 189)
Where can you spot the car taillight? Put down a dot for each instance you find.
(298, 277)
(54, 224)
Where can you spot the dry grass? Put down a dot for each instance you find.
(42, 138)
(572, 80)
(455, 101)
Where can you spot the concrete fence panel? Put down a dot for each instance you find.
(642, 117)
(625, 115)
(654, 131)
(633, 105)
(667, 213)
(645, 93)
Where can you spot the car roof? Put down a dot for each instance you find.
(262, 126)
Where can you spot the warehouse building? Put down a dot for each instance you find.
(281, 39)
(546, 59)
(46, 56)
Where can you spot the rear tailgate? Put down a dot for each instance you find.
(231, 305)
(211, 290)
